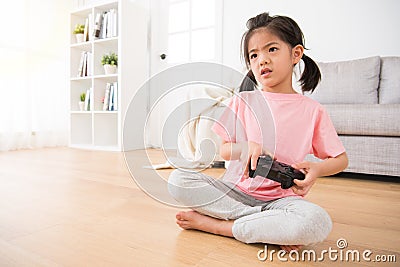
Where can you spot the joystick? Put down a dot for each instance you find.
(277, 171)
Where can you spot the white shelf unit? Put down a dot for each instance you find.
(97, 129)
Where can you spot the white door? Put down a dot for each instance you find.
(182, 31)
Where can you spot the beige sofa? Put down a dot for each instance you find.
(362, 98)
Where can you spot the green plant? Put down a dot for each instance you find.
(82, 96)
(79, 28)
(111, 59)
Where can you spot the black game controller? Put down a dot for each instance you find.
(277, 171)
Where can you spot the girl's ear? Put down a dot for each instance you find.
(297, 53)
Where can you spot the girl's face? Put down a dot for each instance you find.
(272, 61)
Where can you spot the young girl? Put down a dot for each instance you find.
(258, 209)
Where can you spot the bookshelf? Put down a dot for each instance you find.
(96, 128)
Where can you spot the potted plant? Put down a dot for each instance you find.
(79, 31)
(82, 101)
(110, 63)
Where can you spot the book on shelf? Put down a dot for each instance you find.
(86, 30)
(106, 97)
(103, 32)
(89, 63)
(111, 97)
(87, 100)
(105, 24)
(97, 25)
(85, 64)
(115, 96)
(114, 22)
(91, 26)
(91, 99)
(110, 24)
(84, 67)
(80, 68)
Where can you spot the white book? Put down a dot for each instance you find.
(86, 31)
(110, 25)
(97, 25)
(110, 102)
(91, 25)
(87, 99)
(91, 99)
(80, 67)
(107, 25)
(115, 96)
(106, 97)
(104, 27)
(84, 67)
(161, 166)
(89, 62)
(115, 23)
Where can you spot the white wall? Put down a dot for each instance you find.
(333, 30)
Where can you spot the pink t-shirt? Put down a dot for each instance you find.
(290, 126)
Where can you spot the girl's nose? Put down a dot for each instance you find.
(264, 59)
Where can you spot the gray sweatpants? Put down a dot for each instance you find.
(284, 221)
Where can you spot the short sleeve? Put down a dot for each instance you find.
(225, 126)
(326, 142)
(240, 120)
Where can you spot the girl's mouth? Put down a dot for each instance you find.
(265, 71)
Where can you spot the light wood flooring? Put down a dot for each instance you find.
(69, 207)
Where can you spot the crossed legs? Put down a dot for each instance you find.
(219, 209)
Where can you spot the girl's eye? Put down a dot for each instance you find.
(273, 49)
(253, 56)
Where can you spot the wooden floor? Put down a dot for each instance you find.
(68, 207)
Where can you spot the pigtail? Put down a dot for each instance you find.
(311, 75)
(249, 82)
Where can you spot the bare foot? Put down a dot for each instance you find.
(289, 248)
(194, 220)
(197, 221)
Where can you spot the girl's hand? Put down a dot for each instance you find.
(250, 153)
(312, 172)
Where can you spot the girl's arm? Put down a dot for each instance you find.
(313, 170)
(230, 151)
(246, 151)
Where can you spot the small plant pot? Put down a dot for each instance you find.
(81, 105)
(110, 69)
(79, 37)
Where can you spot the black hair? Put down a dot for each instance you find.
(289, 32)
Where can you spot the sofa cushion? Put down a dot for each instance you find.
(371, 119)
(349, 82)
(389, 88)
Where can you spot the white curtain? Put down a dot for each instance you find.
(33, 74)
